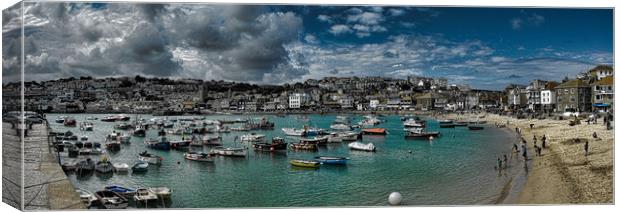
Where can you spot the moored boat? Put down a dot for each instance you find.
(104, 166)
(231, 151)
(320, 140)
(304, 146)
(161, 192)
(374, 131)
(70, 122)
(198, 156)
(111, 200)
(140, 166)
(124, 191)
(446, 125)
(419, 133)
(305, 163)
(253, 137)
(362, 147)
(87, 197)
(475, 127)
(121, 167)
(331, 160)
(276, 144)
(85, 167)
(150, 158)
(144, 195)
(161, 144)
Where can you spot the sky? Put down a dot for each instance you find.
(487, 48)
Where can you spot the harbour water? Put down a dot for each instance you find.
(457, 168)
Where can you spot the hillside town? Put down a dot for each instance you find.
(590, 91)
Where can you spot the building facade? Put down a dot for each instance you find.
(574, 95)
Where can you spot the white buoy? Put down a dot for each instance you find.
(395, 198)
(431, 138)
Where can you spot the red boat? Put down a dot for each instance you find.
(374, 131)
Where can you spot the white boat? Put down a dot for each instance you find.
(86, 196)
(198, 156)
(87, 126)
(125, 138)
(162, 192)
(121, 167)
(253, 137)
(150, 158)
(229, 151)
(342, 136)
(370, 121)
(83, 138)
(292, 131)
(369, 147)
(340, 127)
(412, 123)
(144, 195)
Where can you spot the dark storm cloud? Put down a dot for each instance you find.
(152, 11)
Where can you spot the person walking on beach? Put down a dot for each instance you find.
(499, 164)
(531, 126)
(586, 148)
(594, 135)
(515, 148)
(524, 149)
(505, 160)
(544, 141)
(534, 140)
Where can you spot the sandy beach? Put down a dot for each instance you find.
(563, 173)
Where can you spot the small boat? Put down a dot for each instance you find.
(83, 138)
(413, 123)
(304, 146)
(69, 166)
(212, 141)
(262, 124)
(476, 127)
(86, 196)
(111, 200)
(121, 167)
(161, 192)
(161, 144)
(305, 163)
(362, 147)
(123, 126)
(60, 119)
(198, 156)
(460, 124)
(139, 131)
(150, 158)
(125, 138)
(140, 167)
(125, 192)
(85, 167)
(87, 126)
(113, 144)
(303, 132)
(331, 160)
(316, 140)
(419, 133)
(276, 144)
(343, 136)
(370, 121)
(108, 119)
(445, 121)
(230, 151)
(144, 195)
(104, 166)
(253, 137)
(70, 122)
(340, 127)
(447, 125)
(91, 118)
(374, 131)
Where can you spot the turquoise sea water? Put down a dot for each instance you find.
(455, 169)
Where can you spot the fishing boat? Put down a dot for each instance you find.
(305, 163)
(121, 167)
(460, 124)
(322, 140)
(150, 158)
(303, 132)
(113, 144)
(231, 151)
(125, 192)
(412, 123)
(111, 200)
(419, 133)
(123, 126)
(60, 119)
(340, 126)
(83, 138)
(91, 118)
(124, 138)
(87, 126)
(370, 121)
(212, 141)
(161, 192)
(445, 121)
(161, 144)
(180, 144)
(374, 131)
(140, 166)
(336, 137)
(292, 132)
(108, 119)
(304, 146)
(277, 144)
(104, 166)
(86, 196)
(362, 147)
(253, 137)
(198, 156)
(143, 195)
(70, 122)
(446, 125)
(475, 127)
(331, 160)
(139, 131)
(85, 167)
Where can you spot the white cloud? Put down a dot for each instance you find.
(339, 29)
(310, 38)
(396, 12)
(516, 23)
(325, 18)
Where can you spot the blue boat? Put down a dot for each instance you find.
(161, 144)
(331, 160)
(126, 192)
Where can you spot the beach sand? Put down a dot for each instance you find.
(562, 174)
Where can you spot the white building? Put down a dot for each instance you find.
(297, 100)
(373, 104)
(547, 97)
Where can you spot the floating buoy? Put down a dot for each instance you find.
(431, 138)
(410, 151)
(395, 198)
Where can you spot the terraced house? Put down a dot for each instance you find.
(603, 94)
(573, 95)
